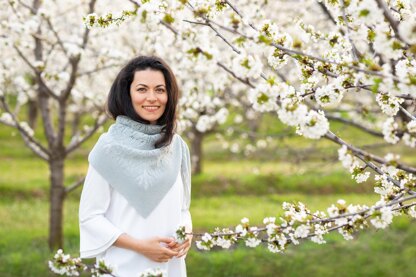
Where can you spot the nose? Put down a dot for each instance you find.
(151, 96)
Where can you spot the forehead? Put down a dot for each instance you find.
(149, 77)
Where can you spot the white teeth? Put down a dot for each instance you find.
(150, 108)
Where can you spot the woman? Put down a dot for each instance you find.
(137, 190)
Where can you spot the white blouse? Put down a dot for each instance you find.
(104, 215)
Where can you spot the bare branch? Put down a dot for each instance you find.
(245, 81)
(355, 124)
(76, 143)
(58, 38)
(407, 97)
(406, 112)
(92, 71)
(327, 12)
(74, 186)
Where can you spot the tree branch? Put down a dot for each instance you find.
(246, 81)
(74, 186)
(58, 38)
(393, 22)
(37, 73)
(355, 124)
(77, 142)
(29, 140)
(331, 136)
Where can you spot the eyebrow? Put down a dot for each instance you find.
(148, 86)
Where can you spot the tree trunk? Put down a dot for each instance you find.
(196, 151)
(75, 124)
(57, 196)
(32, 114)
(254, 126)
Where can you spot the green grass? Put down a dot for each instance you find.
(231, 187)
(23, 248)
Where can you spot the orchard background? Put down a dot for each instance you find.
(282, 101)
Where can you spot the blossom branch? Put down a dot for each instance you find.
(37, 72)
(393, 22)
(298, 223)
(29, 140)
(244, 81)
(297, 54)
(347, 31)
(331, 136)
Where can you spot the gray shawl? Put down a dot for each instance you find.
(128, 160)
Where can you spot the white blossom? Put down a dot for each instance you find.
(389, 104)
(224, 243)
(389, 131)
(245, 220)
(314, 125)
(411, 126)
(407, 29)
(252, 242)
(263, 98)
(292, 113)
(409, 140)
(390, 157)
(383, 219)
(153, 272)
(412, 211)
(302, 231)
(328, 95)
(7, 118)
(362, 177)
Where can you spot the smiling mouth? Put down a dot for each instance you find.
(150, 108)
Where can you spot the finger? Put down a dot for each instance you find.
(170, 253)
(183, 253)
(173, 244)
(166, 240)
(182, 246)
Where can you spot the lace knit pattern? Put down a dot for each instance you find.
(126, 157)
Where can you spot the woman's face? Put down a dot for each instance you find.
(148, 94)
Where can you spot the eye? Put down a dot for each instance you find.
(160, 90)
(141, 89)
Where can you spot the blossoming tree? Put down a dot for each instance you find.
(349, 60)
(46, 67)
(53, 66)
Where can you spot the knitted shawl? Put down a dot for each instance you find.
(127, 159)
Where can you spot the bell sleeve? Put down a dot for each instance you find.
(97, 233)
(186, 179)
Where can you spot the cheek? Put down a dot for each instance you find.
(165, 99)
(137, 98)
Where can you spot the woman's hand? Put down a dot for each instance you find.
(183, 248)
(152, 249)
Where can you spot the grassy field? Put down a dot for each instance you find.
(230, 188)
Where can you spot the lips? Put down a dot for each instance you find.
(150, 108)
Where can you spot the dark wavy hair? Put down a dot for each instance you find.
(119, 100)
